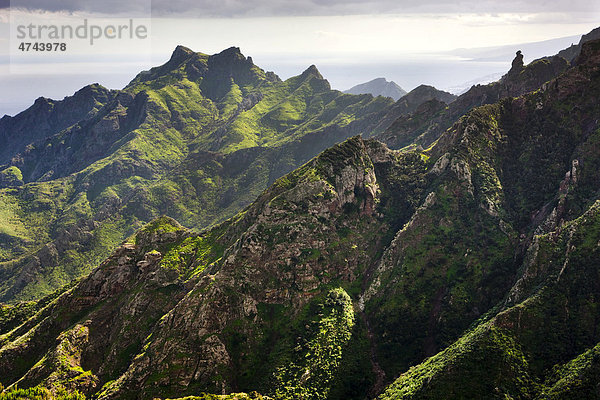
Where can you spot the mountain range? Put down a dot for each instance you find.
(197, 138)
(213, 231)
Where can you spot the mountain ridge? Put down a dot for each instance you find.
(424, 126)
(86, 187)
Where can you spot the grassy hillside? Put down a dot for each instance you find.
(197, 139)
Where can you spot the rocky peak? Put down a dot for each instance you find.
(90, 92)
(517, 64)
(230, 55)
(231, 62)
(180, 53)
(313, 77)
(312, 71)
(226, 67)
(424, 93)
(402, 111)
(41, 105)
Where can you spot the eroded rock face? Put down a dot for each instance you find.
(295, 241)
(261, 270)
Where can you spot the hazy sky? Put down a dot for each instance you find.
(410, 42)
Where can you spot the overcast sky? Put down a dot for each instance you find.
(353, 41)
(237, 8)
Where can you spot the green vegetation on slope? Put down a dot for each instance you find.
(311, 372)
(197, 139)
(540, 339)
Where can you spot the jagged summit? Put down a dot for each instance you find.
(89, 89)
(429, 92)
(41, 100)
(312, 77)
(231, 53)
(312, 70)
(180, 53)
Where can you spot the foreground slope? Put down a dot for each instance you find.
(251, 304)
(197, 138)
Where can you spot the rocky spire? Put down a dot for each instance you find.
(517, 64)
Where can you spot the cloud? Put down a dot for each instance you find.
(254, 8)
(111, 7)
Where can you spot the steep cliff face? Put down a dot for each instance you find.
(198, 139)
